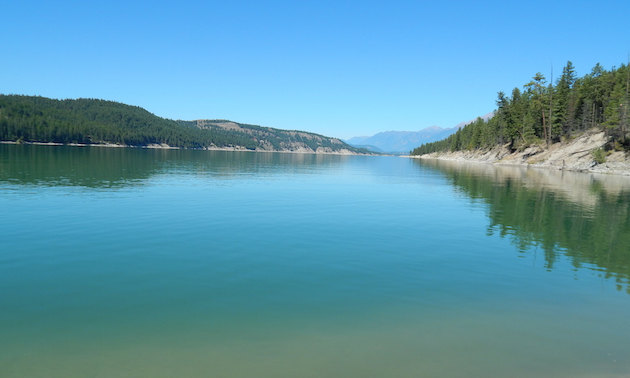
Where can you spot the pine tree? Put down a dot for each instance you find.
(564, 102)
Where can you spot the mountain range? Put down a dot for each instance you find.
(401, 142)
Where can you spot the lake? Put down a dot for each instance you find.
(161, 263)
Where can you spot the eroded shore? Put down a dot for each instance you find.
(573, 155)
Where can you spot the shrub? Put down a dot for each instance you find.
(599, 155)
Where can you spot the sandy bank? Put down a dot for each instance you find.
(572, 155)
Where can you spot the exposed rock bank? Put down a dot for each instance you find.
(292, 149)
(573, 155)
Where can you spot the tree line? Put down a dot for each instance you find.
(545, 112)
(92, 121)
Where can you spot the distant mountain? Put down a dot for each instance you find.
(90, 121)
(369, 147)
(401, 142)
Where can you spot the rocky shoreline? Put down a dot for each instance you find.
(319, 151)
(572, 155)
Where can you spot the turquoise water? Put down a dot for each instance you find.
(129, 263)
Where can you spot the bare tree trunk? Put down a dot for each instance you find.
(545, 129)
(550, 106)
(626, 103)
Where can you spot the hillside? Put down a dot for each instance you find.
(543, 114)
(89, 121)
(584, 153)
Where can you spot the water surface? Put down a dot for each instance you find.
(130, 262)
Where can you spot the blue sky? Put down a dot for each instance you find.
(336, 68)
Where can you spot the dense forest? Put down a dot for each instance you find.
(545, 113)
(91, 121)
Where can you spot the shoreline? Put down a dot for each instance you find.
(167, 147)
(575, 155)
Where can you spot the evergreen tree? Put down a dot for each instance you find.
(598, 99)
(90, 121)
(564, 102)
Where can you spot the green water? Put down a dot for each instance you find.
(154, 263)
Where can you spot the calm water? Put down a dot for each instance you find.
(142, 263)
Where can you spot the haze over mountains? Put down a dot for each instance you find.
(401, 142)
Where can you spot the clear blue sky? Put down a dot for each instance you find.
(337, 68)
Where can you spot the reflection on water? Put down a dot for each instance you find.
(101, 167)
(583, 216)
(157, 263)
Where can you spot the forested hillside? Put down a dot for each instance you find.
(90, 121)
(544, 113)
